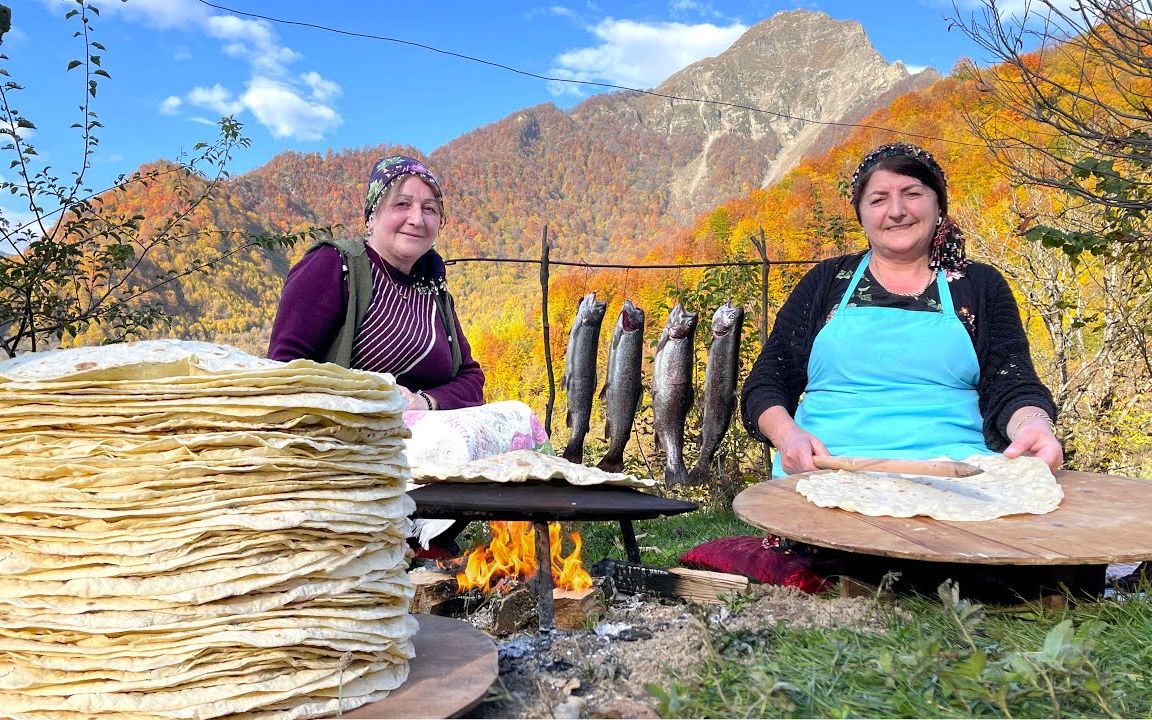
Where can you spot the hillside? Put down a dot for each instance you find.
(614, 178)
(621, 168)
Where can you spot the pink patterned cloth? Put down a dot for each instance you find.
(448, 437)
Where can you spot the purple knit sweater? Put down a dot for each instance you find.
(401, 333)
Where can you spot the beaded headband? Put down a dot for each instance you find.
(907, 150)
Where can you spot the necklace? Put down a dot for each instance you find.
(916, 294)
(401, 290)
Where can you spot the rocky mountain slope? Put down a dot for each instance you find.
(621, 168)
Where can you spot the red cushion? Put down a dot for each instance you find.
(756, 557)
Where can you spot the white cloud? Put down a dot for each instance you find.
(216, 98)
(254, 41)
(279, 108)
(21, 226)
(161, 14)
(321, 89)
(642, 55)
(296, 106)
(692, 6)
(170, 105)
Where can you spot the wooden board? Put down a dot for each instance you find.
(455, 664)
(1102, 519)
(540, 502)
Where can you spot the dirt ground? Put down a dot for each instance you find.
(601, 672)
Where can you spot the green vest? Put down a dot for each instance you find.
(358, 271)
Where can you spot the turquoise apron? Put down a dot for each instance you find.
(884, 382)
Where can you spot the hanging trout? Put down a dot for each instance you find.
(622, 384)
(719, 386)
(672, 391)
(579, 381)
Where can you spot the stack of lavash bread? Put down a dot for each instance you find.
(187, 531)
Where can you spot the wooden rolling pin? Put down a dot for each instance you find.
(940, 468)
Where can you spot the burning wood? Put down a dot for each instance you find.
(511, 553)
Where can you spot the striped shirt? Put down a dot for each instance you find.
(402, 332)
(399, 329)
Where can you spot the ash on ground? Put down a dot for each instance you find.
(602, 672)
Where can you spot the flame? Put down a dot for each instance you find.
(512, 553)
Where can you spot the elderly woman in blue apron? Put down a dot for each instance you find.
(905, 350)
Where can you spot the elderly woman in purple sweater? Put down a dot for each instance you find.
(380, 303)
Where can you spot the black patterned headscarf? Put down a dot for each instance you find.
(947, 250)
(387, 170)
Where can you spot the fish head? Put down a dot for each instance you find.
(631, 317)
(726, 317)
(681, 323)
(590, 310)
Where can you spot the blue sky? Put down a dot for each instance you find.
(176, 66)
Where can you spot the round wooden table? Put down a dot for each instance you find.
(455, 664)
(1102, 519)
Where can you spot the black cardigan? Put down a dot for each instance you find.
(1008, 380)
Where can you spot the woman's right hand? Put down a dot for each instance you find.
(796, 449)
(794, 445)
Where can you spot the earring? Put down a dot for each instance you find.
(939, 220)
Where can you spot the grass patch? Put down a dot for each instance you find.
(936, 658)
(662, 541)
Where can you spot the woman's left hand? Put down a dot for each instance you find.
(1035, 438)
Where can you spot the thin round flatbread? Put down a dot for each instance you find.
(1006, 487)
(524, 465)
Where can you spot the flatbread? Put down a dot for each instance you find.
(522, 466)
(1006, 487)
(188, 531)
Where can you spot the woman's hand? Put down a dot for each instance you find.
(1032, 435)
(794, 445)
(415, 402)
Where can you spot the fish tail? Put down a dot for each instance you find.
(611, 462)
(675, 475)
(699, 474)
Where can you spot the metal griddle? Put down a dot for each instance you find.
(541, 503)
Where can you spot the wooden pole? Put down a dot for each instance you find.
(545, 248)
(761, 245)
(544, 609)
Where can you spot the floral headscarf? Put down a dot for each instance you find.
(947, 250)
(386, 170)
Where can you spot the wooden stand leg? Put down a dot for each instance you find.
(628, 535)
(544, 607)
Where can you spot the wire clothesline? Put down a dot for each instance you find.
(619, 266)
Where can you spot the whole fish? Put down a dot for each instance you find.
(719, 385)
(579, 381)
(622, 384)
(672, 392)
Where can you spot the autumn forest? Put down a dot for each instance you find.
(595, 186)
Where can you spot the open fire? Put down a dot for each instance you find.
(511, 554)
